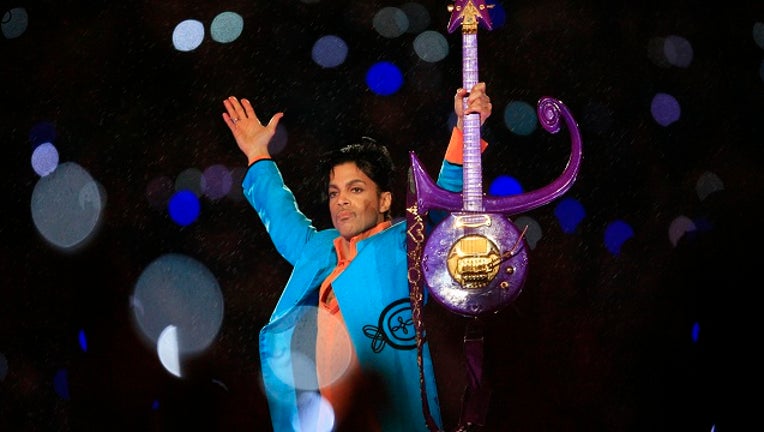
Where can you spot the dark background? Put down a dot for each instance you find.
(597, 341)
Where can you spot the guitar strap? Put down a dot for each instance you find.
(476, 394)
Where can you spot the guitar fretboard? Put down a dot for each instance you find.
(472, 176)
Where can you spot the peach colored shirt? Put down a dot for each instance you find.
(334, 351)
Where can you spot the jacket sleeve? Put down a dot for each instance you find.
(289, 229)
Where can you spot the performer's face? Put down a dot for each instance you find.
(355, 202)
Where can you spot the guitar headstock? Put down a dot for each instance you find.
(469, 14)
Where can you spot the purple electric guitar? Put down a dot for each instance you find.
(475, 261)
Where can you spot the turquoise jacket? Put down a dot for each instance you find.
(373, 294)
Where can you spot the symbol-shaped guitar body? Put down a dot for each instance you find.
(475, 261)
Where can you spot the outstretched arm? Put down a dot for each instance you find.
(263, 185)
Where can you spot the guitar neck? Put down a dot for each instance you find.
(472, 176)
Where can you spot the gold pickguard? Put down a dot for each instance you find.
(473, 261)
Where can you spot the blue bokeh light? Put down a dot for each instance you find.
(665, 109)
(384, 78)
(504, 185)
(569, 213)
(82, 339)
(329, 51)
(616, 234)
(184, 207)
(497, 13)
(695, 332)
(61, 384)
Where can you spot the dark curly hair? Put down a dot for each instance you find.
(372, 158)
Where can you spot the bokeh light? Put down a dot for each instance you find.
(167, 350)
(418, 17)
(665, 109)
(533, 233)
(329, 51)
(678, 51)
(184, 207)
(758, 34)
(337, 361)
(616, 234)
(695, 332)
(431, 46)
(61, 384)
(180, 291)
(82, 340)
(390, 22)
(707, 184)
(498, 14)
(66, 206)
(216, 181)
(505, 185)
(44, 159)
(569, 213)
(520, 118)
(190, 179)
(384, 78)
(315, 413)
(680, 226)
(301, 374)
(15, 22)
(226, 27)
(672, 50)
(188, 35)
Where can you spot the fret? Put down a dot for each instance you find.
(472, 191)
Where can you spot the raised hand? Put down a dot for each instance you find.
(250, 134)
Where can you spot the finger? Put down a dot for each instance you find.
(478, 89)
(481, 107)
(227, 119)
(231, 102)
(249, 112)
(274, 121)
(230, 110)
(231, 120)
(237, 111)
(477, 92)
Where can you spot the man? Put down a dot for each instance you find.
(348, 283)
